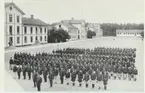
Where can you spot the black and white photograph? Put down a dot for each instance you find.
(73, 45)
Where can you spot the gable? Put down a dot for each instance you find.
(12, 8)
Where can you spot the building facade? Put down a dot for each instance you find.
(96, 28)
(129, 32)
(20, 30)
(75, 28)
(13, 25)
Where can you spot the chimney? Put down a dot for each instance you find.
(32, 16)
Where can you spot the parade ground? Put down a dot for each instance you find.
(113, 85)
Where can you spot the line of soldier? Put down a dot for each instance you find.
(85, 66)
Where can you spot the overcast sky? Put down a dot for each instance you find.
(98, 11)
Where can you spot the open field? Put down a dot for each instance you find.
(113, 85)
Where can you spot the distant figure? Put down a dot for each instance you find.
(11, 63)
(39, 81)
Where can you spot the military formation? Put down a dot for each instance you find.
(95, 66)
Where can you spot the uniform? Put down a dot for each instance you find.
(39, 81)
(99, 79)
(105, 80)
(24, 71)
(34, 78)
(73, 77)
(45, 75)
(67, 75)
(55, 74)
(29, 72)
(11, 63)
(135, 72)
(19, 72)
(86, 78)
(61, 75)
(80, 77)
(51, 77)
(93, 78)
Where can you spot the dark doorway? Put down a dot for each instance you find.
(10, 41)
(78, 36)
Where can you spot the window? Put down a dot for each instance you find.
(25, 30)
(18, 30)
(10, 30)
(10, 18)
(36, 38)
(40, 30)
(31, 38)
(40, 38)
(18, 40)
(36, 30)
(45, 30)
(18, 19)
(25, 39)
(45, 38)
(31, 30)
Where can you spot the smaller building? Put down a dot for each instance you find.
(72, 31)
(34, 31)
(96, 28)
(129, 32)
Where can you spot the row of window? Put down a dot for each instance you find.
(129, 33)
(31, 39)
(25, 30)
(11, 18)
(36, 29)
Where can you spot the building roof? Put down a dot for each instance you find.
(73, 21)
(69, 26)
(32, 21)
(8, 4)
(129, 31)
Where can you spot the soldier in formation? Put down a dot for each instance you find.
(77, 65)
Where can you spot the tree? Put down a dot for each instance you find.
(59, 35)
(90, 34)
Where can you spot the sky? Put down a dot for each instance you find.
(93, 11)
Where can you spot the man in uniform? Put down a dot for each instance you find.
(105, 80)
(24, 71)
(11, 63)
(38, 81)
(34, 77)
(19, 71)
(99, 79)
(93, 78)
(61, 75)
(86, 78)
(45, 74)
(73, 77)
(135, 72)
(51, 77)
(80, 77)
(67, 76)
(29, 70)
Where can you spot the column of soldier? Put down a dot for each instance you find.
(93, 66)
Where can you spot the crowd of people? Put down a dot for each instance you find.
(96, 65)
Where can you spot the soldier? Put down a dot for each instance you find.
(19, 71)
(55, 74)
(38, 82)
(11, 63)
(105, 80)
(51, 77)
(61, 75)
(93, 78)
(80, 77)
(34, 77)
(125, 72)
(67, 76)
(45, 74)
(24, 71)
(86, 78)
(29, 70)
(135, 72)
(73, 77)
(15, 70)
(99, 79)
